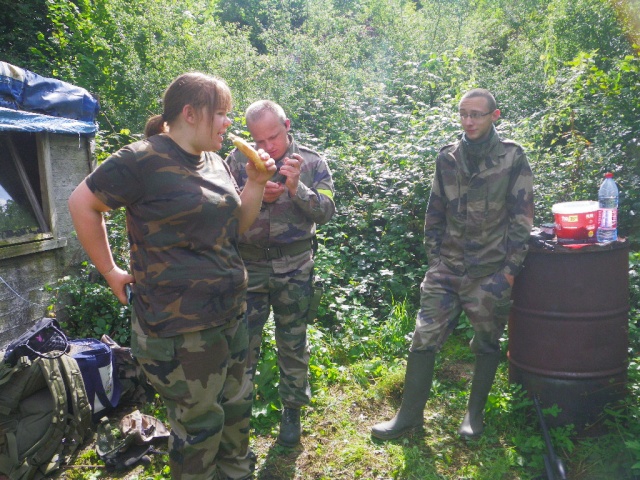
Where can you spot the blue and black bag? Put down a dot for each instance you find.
(99, 372)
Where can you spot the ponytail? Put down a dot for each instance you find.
(154, 126)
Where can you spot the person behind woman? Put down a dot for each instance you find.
(184, 215)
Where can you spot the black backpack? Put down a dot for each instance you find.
(44, 415)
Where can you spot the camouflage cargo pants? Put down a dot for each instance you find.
(444, 295)
(289, 295)
(203, 382)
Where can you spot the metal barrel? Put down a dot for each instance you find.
(569, 332)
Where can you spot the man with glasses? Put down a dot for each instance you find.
(477, 227)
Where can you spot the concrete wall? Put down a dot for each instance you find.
(25, 269)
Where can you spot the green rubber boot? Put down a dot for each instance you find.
(483, 376)
(417, 385)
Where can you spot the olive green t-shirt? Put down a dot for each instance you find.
(182, 220)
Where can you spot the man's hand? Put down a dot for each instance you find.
(272, 190)
(291, 169)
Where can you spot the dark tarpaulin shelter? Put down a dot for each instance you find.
(32, 103)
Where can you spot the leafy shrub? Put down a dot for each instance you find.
(84, 304)
(87, 308)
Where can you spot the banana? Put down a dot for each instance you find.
(248, 151)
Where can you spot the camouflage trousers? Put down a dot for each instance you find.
(202, 379)
(289, 295)
(444, 295)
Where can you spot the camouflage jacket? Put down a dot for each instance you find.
(182, 221)
(290, 219)
(480, 210)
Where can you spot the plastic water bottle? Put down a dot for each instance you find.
(607, 210)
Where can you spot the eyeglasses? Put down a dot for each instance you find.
(474, 115)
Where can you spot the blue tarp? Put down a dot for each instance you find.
(19, 121)
(52, 105)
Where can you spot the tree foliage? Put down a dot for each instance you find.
(20, 40)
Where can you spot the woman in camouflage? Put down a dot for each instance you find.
(184, 215)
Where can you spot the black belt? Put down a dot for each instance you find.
(252, 252)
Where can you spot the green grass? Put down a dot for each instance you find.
(337, 444)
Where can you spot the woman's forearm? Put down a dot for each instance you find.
(251, 198)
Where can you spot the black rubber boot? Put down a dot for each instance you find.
(290, 429)
(417, 386)
(483, 376)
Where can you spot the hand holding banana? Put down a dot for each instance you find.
(248, 152)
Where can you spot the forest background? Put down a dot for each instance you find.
(374, 86)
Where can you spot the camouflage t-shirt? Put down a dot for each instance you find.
(182, 221)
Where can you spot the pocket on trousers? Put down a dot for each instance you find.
(501, 291)
(503, 307)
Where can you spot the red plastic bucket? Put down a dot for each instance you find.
(576, 221)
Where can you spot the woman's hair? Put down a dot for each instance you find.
(196, 89)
